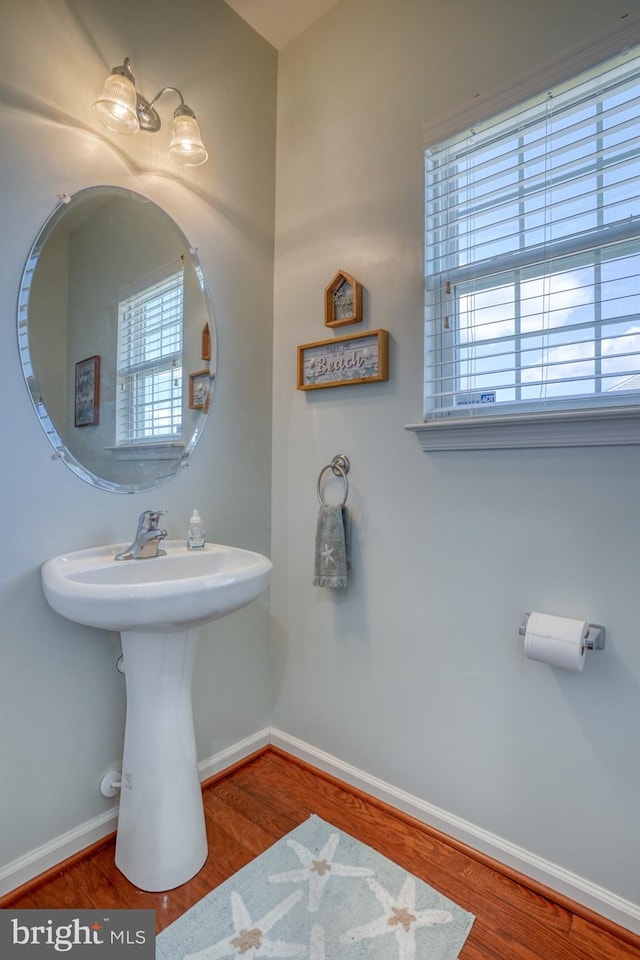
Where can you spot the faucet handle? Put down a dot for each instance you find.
(148, 519)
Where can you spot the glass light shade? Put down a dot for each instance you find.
(116, 107)
(186, 143)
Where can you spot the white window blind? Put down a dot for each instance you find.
(533, 254)
(150, 324)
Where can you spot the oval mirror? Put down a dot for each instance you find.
(117, 339)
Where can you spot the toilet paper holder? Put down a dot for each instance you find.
(594, 639)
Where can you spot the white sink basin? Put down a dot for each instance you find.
(182, 588)
(157, 605)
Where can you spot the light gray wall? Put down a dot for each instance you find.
(61, 698)
(416, 674)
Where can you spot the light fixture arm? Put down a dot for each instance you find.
(149, 119)
(125, 71)
(167, 90)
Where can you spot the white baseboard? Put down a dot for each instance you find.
(233, 754)
(590, 895)
(25, 868)
(32, 864)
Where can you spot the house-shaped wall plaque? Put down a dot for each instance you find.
(342, 301)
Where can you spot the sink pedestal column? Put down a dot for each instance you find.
(161, 840)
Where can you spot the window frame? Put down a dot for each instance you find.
(592, 426)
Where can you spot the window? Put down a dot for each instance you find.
(149, 408)
(533, 254)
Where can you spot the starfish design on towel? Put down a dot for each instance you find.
(327, 553)
(399, 916)
(317, 869)
(249, 939)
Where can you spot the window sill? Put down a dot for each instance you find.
(147, 451)
(616, 426)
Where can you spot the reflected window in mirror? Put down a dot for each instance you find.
(150, 324)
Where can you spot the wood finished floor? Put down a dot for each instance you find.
(258, 803)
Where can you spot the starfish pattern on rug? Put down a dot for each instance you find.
(317, 869)
(316, 946)
(249, 938)
(399, 916)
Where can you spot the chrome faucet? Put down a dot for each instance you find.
(148, 537)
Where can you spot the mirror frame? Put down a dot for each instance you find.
(61, 451)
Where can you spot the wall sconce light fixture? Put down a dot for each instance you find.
(123, 110)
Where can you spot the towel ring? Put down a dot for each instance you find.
(340, 467)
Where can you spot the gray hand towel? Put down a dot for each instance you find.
(332, 559)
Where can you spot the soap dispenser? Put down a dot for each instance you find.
(195, 532)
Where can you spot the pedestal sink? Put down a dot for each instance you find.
(157, 605)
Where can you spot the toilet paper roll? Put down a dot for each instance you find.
(558, 641)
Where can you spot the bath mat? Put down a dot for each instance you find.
(319, 894)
